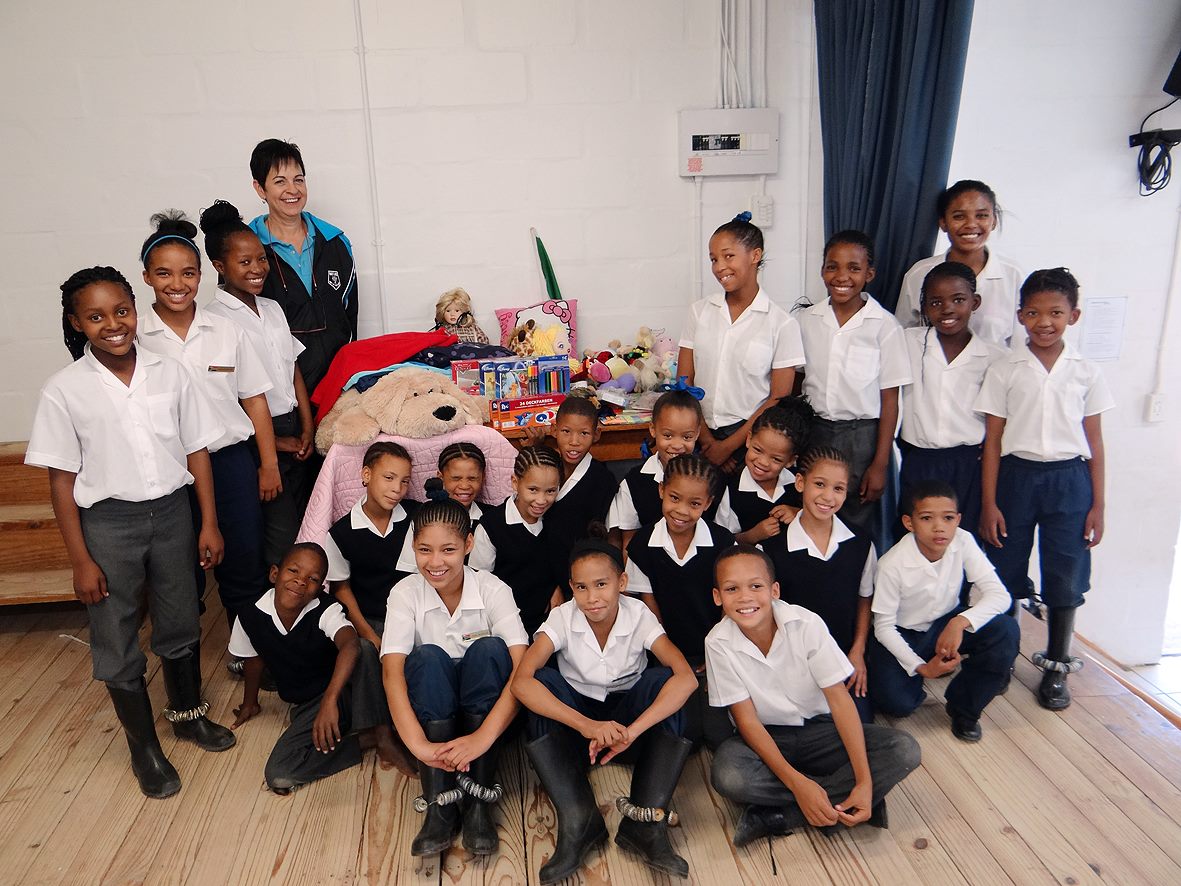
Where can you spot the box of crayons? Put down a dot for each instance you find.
(524, 412)
(511, 378)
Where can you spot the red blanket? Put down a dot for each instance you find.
(369, 354)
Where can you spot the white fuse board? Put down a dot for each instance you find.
(728, 141)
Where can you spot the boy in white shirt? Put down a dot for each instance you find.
(923, 625)
(801, 755)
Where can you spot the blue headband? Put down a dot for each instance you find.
(144, 258)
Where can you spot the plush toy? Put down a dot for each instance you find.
(521, 339)
(663, 346)
(596, 366)
(407, 403)
(453, 314)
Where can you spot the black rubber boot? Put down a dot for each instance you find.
(580, 823)
(442, 818)
(186, 709)
(653, 781)
(157, 777)
(479, 828)
(757, 822)
(1053, 693)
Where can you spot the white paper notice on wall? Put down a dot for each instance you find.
(1103, 328)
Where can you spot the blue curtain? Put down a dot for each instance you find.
(889, 74)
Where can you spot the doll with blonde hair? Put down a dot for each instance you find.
(453, 314)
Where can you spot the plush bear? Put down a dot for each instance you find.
(407, 402)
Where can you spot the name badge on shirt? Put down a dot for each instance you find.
(476, 635)
(221, 368)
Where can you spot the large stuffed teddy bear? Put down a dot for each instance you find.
(406, 403)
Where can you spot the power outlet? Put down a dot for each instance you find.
(762, 210)
(1154, 409)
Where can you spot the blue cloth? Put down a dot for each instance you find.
(889, 78)
(958, 466)
(988, 655)
(1053, 497)
(622, 707)
(301, 261)
(440, 687)
(366, 379)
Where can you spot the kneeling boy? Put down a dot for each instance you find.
(922, 623)
(801, 755)
(333, 680)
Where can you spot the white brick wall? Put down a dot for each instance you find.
(489, 117)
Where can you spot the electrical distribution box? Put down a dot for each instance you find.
(728, 141)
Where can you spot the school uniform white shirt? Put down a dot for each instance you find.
(575, 475)
(483, 555)
(786, 685)
(338, 565)
(416, 615)
(912, 592)
(406, 561)
(270, 336)
(848, 366)
(937, 408)
(1044, 411)
(622, 514)
(998, 283)
(797, 539)
(732, 361)
(219, 359)
(725, 515)
(638, 582)
(616, 667)
(332, 619)
(128, 442)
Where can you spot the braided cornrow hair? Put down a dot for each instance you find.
(817, 454)
(696, 466)
(441, 508)
(79, 280)
(792, 417)
(219, 222)
(462, 450)
(538, 457)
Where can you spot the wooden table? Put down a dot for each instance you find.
(616, 442)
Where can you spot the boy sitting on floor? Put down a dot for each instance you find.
(332, 679)
(922, 623)
(801, 755)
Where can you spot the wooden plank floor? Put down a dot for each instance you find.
(1092, 795)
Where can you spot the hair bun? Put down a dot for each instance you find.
(174, 221)
(743, 217)
(220, 214)
(435, 490)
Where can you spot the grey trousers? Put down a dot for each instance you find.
(144, 548)
(295, 760)
(858, 439)
(816, 750)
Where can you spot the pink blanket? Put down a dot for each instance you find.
(339, 487)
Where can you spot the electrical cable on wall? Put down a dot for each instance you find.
(1154, 165)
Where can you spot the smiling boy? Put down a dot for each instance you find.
(801, 755)
(923, 625)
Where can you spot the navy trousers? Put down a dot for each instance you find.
(988, 655)
(440, 687)
(1054, 498)
(241, 576)
(622, 707)
(958, 466)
